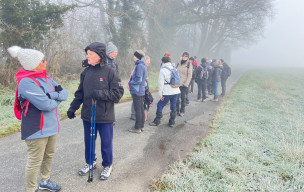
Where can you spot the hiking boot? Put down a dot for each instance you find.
(172, 118)
(133, 130)
(156, 121)
(153, 123)
(106, 172)
(85, 169)
(49, 185)
(133, 117)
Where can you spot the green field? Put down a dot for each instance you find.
(9, 124)
(256, 142)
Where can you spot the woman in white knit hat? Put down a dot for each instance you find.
(36, 105)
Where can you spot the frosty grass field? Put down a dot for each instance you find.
(255, 143)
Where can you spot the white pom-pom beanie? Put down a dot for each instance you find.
(28, 58)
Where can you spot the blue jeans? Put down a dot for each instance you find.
(106, 137)
(216, 84)
(162, 103)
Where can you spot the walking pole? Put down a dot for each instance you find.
(92, 140)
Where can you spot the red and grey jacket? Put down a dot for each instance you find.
(39, 113)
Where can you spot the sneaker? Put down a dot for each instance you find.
(198, 100)
(203, 100)
(133, 130)
(85, 169)
(49, 185)
(181, 114)
(106, 172)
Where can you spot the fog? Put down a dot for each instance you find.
(283, 40)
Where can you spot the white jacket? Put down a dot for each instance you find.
(163, 78)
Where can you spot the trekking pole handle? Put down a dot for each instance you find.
(94, 102)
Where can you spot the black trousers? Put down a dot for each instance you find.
(223, 84)
(182, 97)
(191, 85)
(138, 102)
(209, 86)
(202, 86)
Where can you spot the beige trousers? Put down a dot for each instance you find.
(40, 155)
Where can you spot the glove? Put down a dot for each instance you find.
(58, 88)
(71, 114)
(49, 96)
(95, 95)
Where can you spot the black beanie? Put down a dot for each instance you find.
(138, 55)
(186, 53)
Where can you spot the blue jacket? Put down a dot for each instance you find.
(41, 118)
(138, 79)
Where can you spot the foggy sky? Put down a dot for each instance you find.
(283, 42)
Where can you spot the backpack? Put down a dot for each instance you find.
(17, 106)
(226, 70)
(204, 74)
(148, 101)
(175, 77)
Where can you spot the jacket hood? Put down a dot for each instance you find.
(100, 49)
(167, 65)
(139, 62)
(204, 64)
(22, 73)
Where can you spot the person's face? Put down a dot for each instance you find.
(185, 58)
(113, 54)
(191, 61)
(147, 62)
(135, 58)
(41, 66)
(93, 58)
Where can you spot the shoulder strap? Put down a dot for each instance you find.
(35, 80)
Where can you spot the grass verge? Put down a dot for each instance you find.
(255, 142)
(9, 124)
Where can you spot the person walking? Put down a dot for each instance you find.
(166, 93)
(99, 82)
(216, 78)
(201, 80)
(185, 69)
(133, 117)
(112, 52)
(210, 78)
(36, 105)
(191, 85)
(137, 86)
(224, 76)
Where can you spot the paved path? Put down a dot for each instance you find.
(138, 158)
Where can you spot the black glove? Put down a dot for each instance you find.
(71, 114)
(49, 96)
(95, 95)
(58, 88)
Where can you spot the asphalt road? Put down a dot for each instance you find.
(138, 158)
